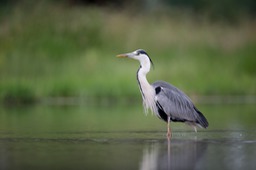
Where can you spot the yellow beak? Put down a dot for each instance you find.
(122, 56)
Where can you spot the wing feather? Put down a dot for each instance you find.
(175, 103)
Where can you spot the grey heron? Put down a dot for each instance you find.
(165, 100)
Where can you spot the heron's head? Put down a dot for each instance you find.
(140, 55)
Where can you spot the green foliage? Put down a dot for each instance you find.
(63, 89)
(222, 9)
(54, 50)
(17, 94)
(248, 60)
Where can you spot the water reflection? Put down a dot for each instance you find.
(120, 138)
(175, 154)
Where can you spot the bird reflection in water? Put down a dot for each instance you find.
(175, 154)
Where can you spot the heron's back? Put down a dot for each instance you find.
(176, 104)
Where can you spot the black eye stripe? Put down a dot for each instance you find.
(141, 52)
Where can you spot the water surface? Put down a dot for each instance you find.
(122, 137)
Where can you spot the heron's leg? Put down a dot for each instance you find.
(169, 132)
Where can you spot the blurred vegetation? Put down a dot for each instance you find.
(67, 48)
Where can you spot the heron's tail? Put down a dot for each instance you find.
(201, 120)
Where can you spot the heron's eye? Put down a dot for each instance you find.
(137, 53)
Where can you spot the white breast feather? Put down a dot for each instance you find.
(148, 95)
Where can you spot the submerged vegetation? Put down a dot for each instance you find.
(53, 50)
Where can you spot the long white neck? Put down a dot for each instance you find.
(147, 91)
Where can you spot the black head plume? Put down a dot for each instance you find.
(141, 51)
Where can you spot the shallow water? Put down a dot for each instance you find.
(122, 137)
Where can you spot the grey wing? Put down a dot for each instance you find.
(174, 103)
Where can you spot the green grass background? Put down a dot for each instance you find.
(52, 50)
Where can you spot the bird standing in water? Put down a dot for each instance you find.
(166, 101)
